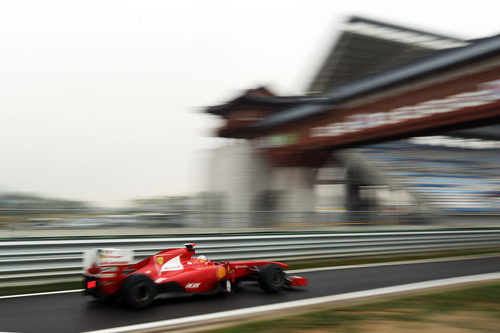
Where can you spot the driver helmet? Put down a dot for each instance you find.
(202, 258)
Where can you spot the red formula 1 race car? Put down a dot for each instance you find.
(108, 274)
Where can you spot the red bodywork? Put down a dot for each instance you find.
(176, 270)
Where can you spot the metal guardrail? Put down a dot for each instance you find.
(42, 261)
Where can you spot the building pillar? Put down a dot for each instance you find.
(238, 185)
(295, 188)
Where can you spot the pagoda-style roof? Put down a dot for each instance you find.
(369, 56)
(433, 63)
(261, 98)
(367, 47)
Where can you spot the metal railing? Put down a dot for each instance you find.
(42, 261)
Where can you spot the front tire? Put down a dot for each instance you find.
(272, 278)
(139, 291)
(224, 288)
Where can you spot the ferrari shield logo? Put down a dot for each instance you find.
(159, 260)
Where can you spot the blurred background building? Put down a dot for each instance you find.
(425, 171)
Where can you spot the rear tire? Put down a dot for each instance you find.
(139, 291)
(272, 278)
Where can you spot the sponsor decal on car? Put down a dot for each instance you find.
(109, 269)
(193, 285)
(159, 260)
(221, 272)
(107, 275)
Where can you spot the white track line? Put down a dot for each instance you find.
(305, 270)
(393, 263)
(42, 294)
(305, 302)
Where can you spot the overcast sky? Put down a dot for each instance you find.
(101, 100)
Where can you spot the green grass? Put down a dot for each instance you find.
(430, 309)
(40, 288)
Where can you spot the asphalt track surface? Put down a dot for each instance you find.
(72, 312)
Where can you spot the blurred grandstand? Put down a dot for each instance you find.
(441, 177)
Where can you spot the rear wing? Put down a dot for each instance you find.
(97, 258)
